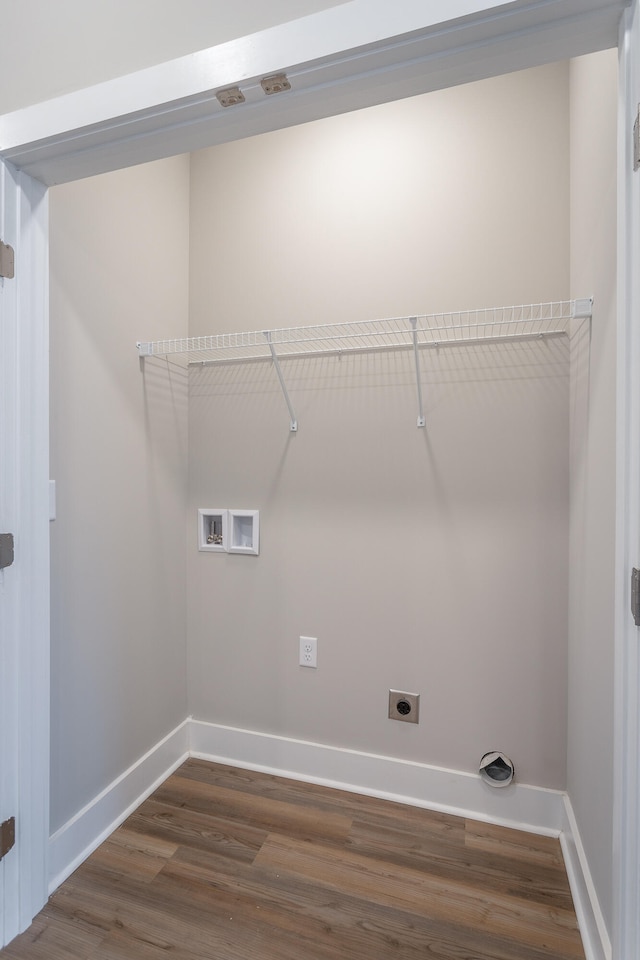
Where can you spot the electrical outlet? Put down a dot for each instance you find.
(308, 652)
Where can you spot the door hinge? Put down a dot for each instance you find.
(635, 596)
(7, 261)
(7, 836)
(636, 141)
(6, 550)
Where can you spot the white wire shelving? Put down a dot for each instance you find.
(468, 327)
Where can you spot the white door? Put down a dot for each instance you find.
(24, 591)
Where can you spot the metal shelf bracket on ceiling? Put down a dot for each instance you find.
(293, 426)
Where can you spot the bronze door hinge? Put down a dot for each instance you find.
(7, 836)
(635, 596)
(6, 550)
(7, 261)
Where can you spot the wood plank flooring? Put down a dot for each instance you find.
(228, 864)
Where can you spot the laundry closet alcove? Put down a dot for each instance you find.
(435, 559)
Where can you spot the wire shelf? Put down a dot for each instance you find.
(528, 321)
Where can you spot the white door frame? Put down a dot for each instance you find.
(24, 587)
(354, 55)
(123, 122)
(626, 853)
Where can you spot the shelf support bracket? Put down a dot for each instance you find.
(293, 427)
(414, 324)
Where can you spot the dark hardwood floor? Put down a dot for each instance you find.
(228, 864)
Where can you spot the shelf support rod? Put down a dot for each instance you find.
(414, 324)
(274, 356)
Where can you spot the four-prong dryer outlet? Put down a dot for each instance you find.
(308, 652)
(404, 706)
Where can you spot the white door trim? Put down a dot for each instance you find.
(24, 467)
(8, 692)
(626, 926)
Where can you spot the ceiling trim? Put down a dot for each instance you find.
(348, 57)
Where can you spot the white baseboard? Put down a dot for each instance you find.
(595, 937)
(85, 831)
(523, 807)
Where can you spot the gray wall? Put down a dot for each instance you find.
(119, 272)
(431, 561)
(593, 84)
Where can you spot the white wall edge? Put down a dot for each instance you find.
(72, 843)
(595, 937)
(522, 807)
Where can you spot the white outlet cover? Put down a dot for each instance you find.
(308, 656)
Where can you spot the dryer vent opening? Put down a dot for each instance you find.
(496, 769)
